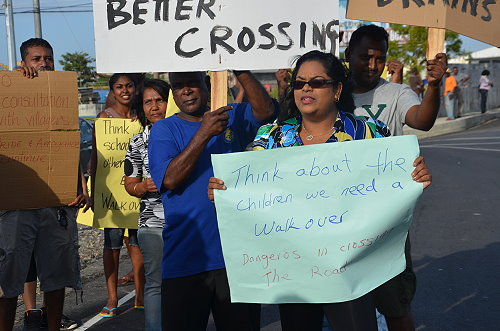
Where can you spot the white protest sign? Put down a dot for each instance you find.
(194, 35)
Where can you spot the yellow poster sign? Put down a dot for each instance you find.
(113, 206)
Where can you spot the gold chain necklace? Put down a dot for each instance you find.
(311, 137)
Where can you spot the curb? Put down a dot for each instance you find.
(442, 126)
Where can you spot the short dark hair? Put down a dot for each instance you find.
(203, 75)
(485, 72)
(334, 68)
(33, 42)
(160, 86)
(371, 31)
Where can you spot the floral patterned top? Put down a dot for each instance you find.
(347, 127)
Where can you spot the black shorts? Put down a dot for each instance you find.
(187, 303)
(393, 298)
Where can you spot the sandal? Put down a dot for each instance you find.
(125, 280)
(110, 313)
(139, 307)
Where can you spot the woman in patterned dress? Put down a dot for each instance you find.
(318, 109)
(138, 183)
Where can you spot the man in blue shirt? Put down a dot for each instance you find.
(180, 148)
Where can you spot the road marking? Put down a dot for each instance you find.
(461, 301)
(465, 144)
(468, 148)
(97, 318)
(465, 138)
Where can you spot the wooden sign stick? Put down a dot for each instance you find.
(435, 42)
(218, 81)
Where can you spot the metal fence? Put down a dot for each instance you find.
(471, 93)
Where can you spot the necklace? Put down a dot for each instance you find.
(311, 137)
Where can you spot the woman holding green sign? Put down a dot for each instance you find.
(318, 109)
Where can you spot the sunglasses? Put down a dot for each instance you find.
(313, 83)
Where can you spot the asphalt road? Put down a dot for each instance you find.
(455, 245)
(456, 233)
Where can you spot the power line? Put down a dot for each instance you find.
(58, 5)
(52, 11)
(73, 8)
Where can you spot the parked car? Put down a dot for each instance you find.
(85, 143)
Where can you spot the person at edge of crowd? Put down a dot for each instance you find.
(138, 183)
(48, 235)
(394, 105)
(123, 89)
(484, 86)
(461, 77)
(318, 109)
(416, 83)
(449, 95)
(193, 270)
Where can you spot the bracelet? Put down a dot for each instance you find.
(135, 187)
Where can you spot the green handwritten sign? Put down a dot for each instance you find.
(321, 223)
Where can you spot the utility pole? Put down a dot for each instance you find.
(11, 38)
(38, 21)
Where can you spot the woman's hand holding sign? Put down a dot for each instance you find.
(421, 174)
(214, 184)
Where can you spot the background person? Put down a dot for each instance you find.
(484, 86)
(449, 94)
(138, 183)
(123, 90)
(462, 78)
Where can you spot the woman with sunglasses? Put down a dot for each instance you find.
(318, 109)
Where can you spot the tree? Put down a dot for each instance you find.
(79, 62)
(413, 51)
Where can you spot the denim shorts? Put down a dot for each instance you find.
(113, 238)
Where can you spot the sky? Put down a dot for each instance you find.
(74, 31)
